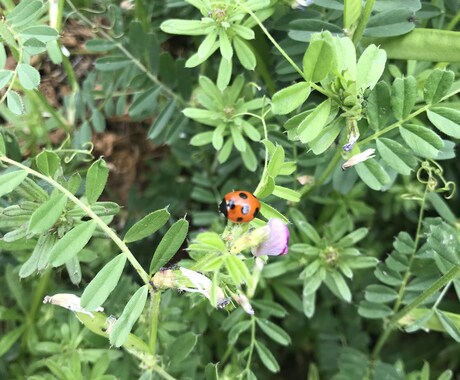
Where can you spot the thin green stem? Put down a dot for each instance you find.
(163, 373)
(120, 243)
(400, 122)
(408, 273)
(453, 22)
(392, 323)
(365, 14)
(155, 313)
(253, 342)
(284, 54)
(443, 281)
(452, 274)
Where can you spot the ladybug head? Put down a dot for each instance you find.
(223, 208)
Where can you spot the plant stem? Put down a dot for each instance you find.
(155, 312)
(253, 342)
(285, 55)
(365, 14)
(120, 243)
(163, 373)
(400, 122)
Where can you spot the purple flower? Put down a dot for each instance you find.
(277, 242)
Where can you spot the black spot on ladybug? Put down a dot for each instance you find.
(243, 195)
(239, 220)
(245, 210)
(231, 204)
(256, 212)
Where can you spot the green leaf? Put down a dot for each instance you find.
(2, 145)
(243, 32)
(100, 287)
(48, 162)
(446, 119)
(403, 96)
(267, 357)
(9, 181)
(338, 285)
(218, 137)
(286, 193)
(32, 265)
(441, 207)
(380, 294)
(396, 156)
(249, 158)
(44, 217)
(370, 67)
(224, 74)
(421, 140)
(182, 346)
(270, 212)
(266, 187)
(14, 103)
(42, 33)
(390, 23)
(225, 46)
(237, 270)
(34, 46)
(351, 12)
(112, 63)
(378, 108)
(24, 13)
(444, 240)
(186, 27)
(128, 317)
(314, 123)
(72, 243)
(204, 50)
(372, 174)
(238, 139)
(318, 60)
(244, 53)
(274, 332)
(148, 225)
(276, 161)
(96, 179)
(437, 85)
(10, 338)
(374, 310)
(211, 372)
(451, 328)
(250, 131)
(289, 98)
(5, 76)
(162, 120)
(327, 136)
(100, 46)
(3, 57)
(29, 77)
(169, 245)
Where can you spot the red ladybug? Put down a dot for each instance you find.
(240, 206)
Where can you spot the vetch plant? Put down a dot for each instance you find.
(227, 28)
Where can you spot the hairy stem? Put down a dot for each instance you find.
(155, 313)
(253, 342)
(120, 243)
(365, 14)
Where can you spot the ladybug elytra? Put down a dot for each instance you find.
(240, 206)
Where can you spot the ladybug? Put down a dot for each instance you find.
(240, 206)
